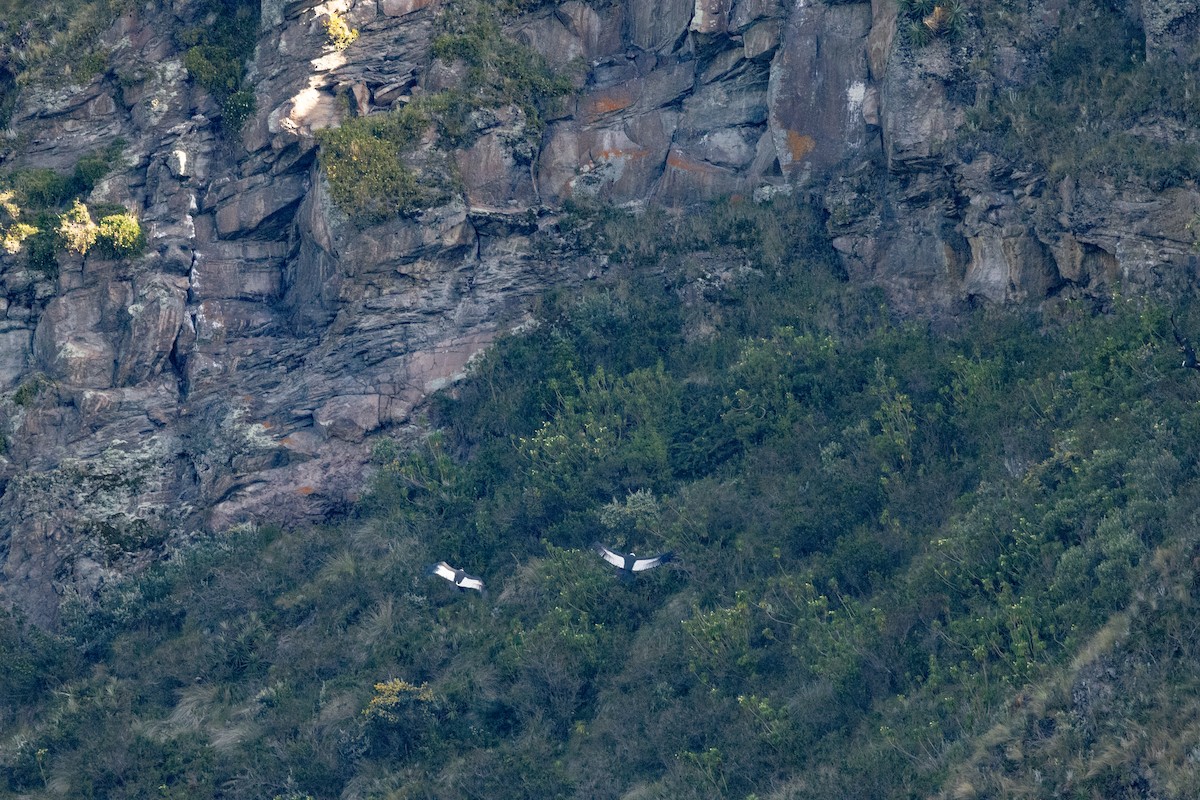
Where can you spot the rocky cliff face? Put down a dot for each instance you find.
(239, 369)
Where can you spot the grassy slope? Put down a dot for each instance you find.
(908, 563)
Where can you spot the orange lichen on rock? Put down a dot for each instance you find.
(305, 490)
(612, 154)
(799, 145)
(676, 160)
(608, 102)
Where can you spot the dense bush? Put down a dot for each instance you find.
(76, 229)
(500, 71)
(338, 32)
(45, 213)
(55, 43)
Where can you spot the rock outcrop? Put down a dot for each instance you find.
(239, 370)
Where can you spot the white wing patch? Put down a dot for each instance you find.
(610, 556)
(643, 564)
(444, 570)
(470, 582)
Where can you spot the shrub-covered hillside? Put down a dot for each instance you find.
(909, 562)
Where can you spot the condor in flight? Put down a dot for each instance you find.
(630, 563)
(456, 576)
(1185, 347)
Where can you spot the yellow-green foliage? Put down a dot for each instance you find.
(120, 234)
(32, 201)
(12, 230)
(115, 236)
(76, 228)
(338, 32)
(15, 234)
(393, 696)
(369, 176)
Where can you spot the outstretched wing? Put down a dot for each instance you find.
(615, 559)
(442, 570)
(470, 582)
(643, 564)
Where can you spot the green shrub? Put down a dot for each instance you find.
(92, 167)
(41, 188)
(36, 194)
(500, 71)
(58, 43)
(890, 541)
(922, 21)
(215, 68)
(239, 107)
(370, 177)
(29, 390)
(120, 235)
(42, 252)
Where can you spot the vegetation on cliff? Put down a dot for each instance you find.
(56, 42)
(217, 46)
(388, 164)
(44, 215)
(909, 562)
(1098, 108)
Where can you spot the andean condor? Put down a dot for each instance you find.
(459, 578)
(630, 563)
